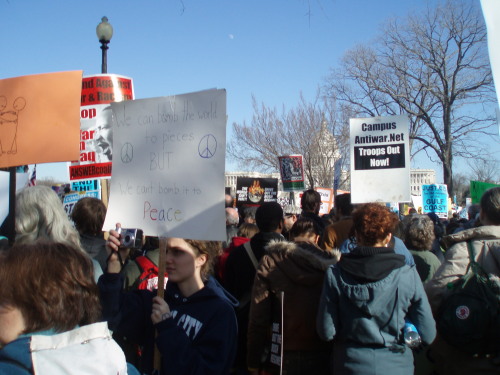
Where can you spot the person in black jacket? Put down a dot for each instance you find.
(195, 322)
(311, 204)
(241, 266)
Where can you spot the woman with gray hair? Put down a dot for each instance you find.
(419, 236)
(40, 215)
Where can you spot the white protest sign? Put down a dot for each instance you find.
(417, 202)
(168, 166)
(70, 200)
(380, 159)
(326, 200)
(491, 12)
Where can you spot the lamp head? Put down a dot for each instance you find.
(104, 31)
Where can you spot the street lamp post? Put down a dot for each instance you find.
(104, 33)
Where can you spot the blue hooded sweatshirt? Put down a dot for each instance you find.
(199, 338)
(15, 357)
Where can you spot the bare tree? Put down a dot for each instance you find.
(433, 66)
(485, 170)
(313, 130)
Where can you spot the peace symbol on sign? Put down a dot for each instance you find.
(127, 153)
(207, 146)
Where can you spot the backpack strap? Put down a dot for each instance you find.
(250, 253)
(145, 263)
(475, 267)
(245, 298)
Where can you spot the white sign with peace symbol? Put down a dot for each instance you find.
(169, 179)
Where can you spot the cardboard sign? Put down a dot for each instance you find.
(96, 133)
(86, 185)
(255, 191)
(491, 13)
(435, 199)
(70, 200)
(168, 166)
(292, 172)
(276, 352)
(417, 202)
(326, 200)
(39, 118)
(380, 159)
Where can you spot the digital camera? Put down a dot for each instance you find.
(131, 238)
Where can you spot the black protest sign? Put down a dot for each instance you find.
(379, 157)
(255, 191)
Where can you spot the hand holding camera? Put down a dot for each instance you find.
(120, 242)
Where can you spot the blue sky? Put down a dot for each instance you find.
(272, 49)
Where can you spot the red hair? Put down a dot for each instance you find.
(373, 223)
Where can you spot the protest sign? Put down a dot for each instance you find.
(435, 199)
(39, 115)
(326, 200)
(491, 13)
(96, 133)
(477, 189)
(168, 165)
(380, 159)
(277, 343)
(70, 199)
(292, 172)
(255, 191)
(86, 185)
(417, 202)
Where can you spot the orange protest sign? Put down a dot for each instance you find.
(40, 118)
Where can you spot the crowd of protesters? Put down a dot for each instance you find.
(288, 291)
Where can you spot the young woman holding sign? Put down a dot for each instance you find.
(195, 321)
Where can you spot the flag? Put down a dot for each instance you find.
(32, 181)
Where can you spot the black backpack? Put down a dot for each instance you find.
(469, 316)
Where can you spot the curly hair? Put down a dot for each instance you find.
(40, 214)
(419, 233)
(212, 249)
(372, 223)
(51, 284)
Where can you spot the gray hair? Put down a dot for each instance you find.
(40, 214)
(419, 233)
(232, 217)
(249, 212)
